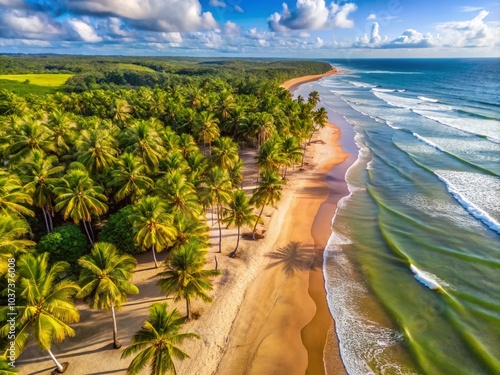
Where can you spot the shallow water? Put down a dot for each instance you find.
(424, 191)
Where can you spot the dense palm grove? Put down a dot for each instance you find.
(88, 179)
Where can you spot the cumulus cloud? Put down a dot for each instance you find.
(472, 33)
(371, 17)
(217, 3)
(312, 15)
(154, 15)
(23, 25)
(232, 29)
(84, 30)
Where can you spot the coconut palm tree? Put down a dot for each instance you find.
(268, 192)
(13, 241)
(78, 198)
(121, 111)
(239, 213)
(97, 150)
(152, 225)
(313, 98)
(206, 128)
(179, 194)
(6, 368)
(156, 342)
(269, 157)
(105, 280)
(216, 189)
(44, 304)
(224, 153)
(63, 130)
(130, 178)
(28, 134)
(13, 198)
(184, 277)
(40, 175)
(290, 151)
(141, 138)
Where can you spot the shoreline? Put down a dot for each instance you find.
(294, 83)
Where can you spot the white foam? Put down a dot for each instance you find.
(426, 99)
(425, 278)
(469, 187)
(427, 141)
(362, 84)
(382, 90)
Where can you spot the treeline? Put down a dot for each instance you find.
(89, 178)
(104, 72)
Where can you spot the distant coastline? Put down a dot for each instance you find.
(294, 83)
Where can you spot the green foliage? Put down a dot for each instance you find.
(119, 231)
(65, 243)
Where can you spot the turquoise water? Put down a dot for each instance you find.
(424, 191)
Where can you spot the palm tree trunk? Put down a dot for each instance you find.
(91, 230)
(50, 214)
(154, 257)
(257, 222)
(60, 368)
(46, 220)
(220, 229)
(116, 344)
(233, 253)
(88, 234)
(188, 309)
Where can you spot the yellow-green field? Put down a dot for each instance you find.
(51, 80)
(138, 68)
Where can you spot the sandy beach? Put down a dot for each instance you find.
(292, 84)
(269, 314)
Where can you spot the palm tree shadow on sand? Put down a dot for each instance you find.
(292, 257)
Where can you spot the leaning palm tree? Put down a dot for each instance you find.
(156, 342)
(78, 198)
(105, 280)
(185, 277)
(152, 225)
(268, 192)
(239, 213)
(44, 304)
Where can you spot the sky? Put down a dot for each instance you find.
(253, 28)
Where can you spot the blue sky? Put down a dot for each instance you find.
(262, 28)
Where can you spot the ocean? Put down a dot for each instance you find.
(412, 269)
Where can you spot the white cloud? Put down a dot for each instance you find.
(154, 15)
(371, 17)
(174, 38)
(467, 8)
(29, 26)
(217, 3)
(232, 29)
(472, 33)
(312, 15)
(238, 9)
(84, 30)
(319, 42)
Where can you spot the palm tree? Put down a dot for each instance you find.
(206, 128)
(63, 129)
(313, 98)
(29, 134)
(97, 149)
(105, 280)
(216, 190)
(290, 152)
(44, 304)
(152, 225)
(6, 368)
(40, 175)
(156, 342)
(189, 229)
(121, 111)
(269, 157)
(142, 139)
(268, 192)
(320, 118)
(79, 199)
(239, 213)
(13, 242)
(185, 277)
(224, 153)
(179, 194)
(130, 178)
(12, 195)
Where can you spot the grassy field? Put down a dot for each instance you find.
(24, 89)
(138, 68)
(50, 80)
